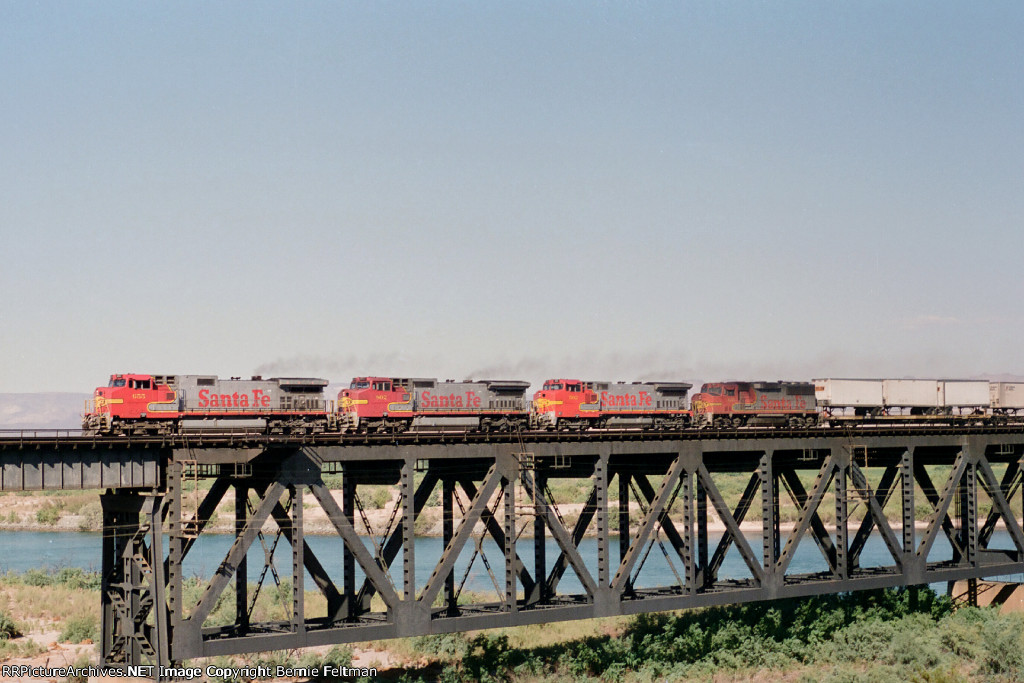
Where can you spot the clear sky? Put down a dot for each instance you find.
(611, 190)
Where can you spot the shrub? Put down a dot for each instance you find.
(338, 656)
(74, 577)
(91, 517)
(8, 629)
(71, 577)
(1001, 637)
(380, 496)
(79, 630)
(448, 645)
(49, 514)
(81, 663)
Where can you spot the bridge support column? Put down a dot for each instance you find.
(447, 534)
(770, 533)
(242, 573)
(508, 487)
(348, 559)
(134, 615)
(624, 531)
(842, 520)
(907, 505)
(539, 541)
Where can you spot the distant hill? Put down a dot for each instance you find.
(42, 411)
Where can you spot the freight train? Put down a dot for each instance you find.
(166, 404)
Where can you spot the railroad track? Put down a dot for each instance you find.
(39, 438)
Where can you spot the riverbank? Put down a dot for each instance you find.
(81, 511)
(857, 637)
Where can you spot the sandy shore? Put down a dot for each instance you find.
(429, 521)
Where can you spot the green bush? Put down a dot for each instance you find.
(50, 513)
(1003, 654)
(8, 629)
(72, 577)
(91, 517)
(379, 497)
(447, 645)
(899, 637)
(338, 656)
(79, 629)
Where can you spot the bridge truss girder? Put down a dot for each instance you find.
(667, 493)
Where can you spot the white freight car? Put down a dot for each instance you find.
(838, 394)
(920, 395)
(1006, 397)
(963, 395)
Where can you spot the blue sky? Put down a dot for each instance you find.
(608, 190)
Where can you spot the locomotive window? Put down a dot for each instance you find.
(715, 391)
(556, 386)
(572, 387)
(730, 392)
(360, 385)
(116, 383)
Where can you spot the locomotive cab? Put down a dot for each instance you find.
(127, 399)
(566, 403)
(375, 401)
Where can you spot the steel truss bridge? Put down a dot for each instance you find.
(662, 487)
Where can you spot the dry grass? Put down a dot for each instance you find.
(37, 607)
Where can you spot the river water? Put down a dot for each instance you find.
(23, 550)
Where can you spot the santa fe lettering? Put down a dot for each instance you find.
(236, 400)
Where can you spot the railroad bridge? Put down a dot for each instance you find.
(659, 488)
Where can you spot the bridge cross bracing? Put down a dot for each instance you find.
(846, 490)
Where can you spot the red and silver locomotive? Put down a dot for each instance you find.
(396, 404)
(576, 404)
(164, 404)
(735, 404)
